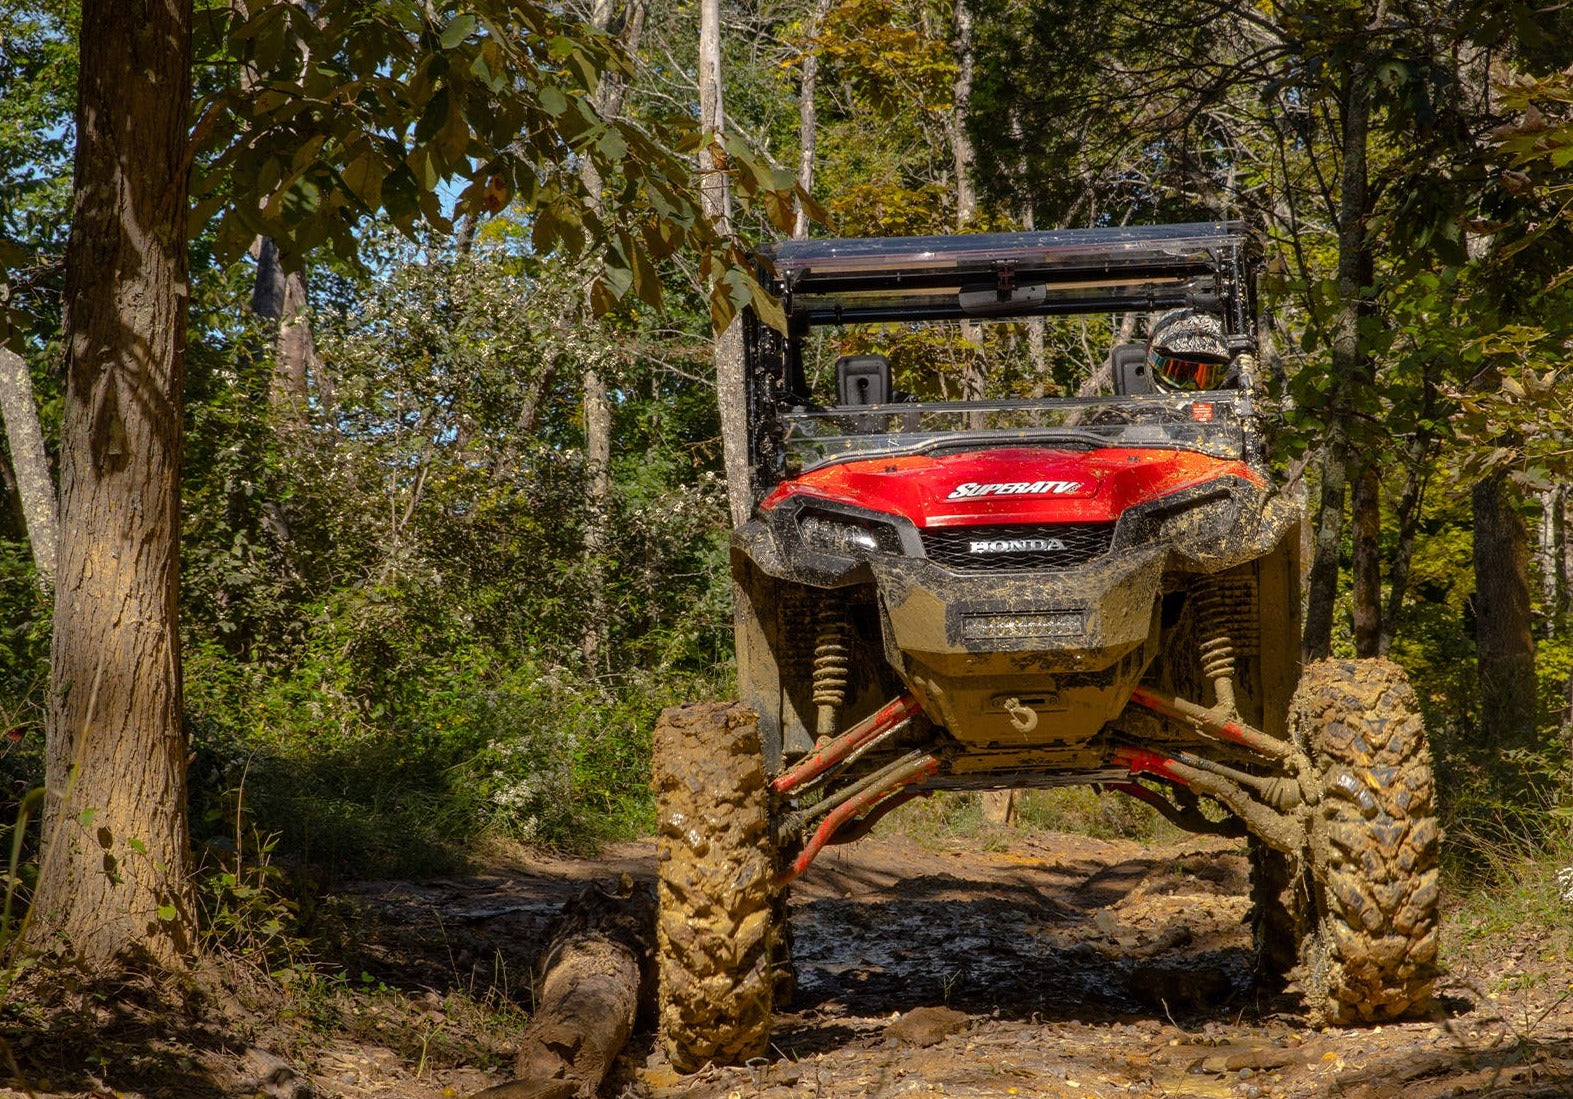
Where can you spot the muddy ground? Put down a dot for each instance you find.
(1040, 965)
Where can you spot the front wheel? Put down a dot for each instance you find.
(1371, 948)
(717, 899)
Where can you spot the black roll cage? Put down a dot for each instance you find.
(993, 276)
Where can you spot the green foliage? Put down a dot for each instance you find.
(37, 99)
(24, 645)
(1078, 810)
(388, 592)
(400, 102)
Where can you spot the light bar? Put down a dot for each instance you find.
(1011, 627)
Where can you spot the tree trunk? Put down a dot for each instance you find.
(29, 461)
(717, 201)
(280, 296)
(1407, 516)
(807, 117)
(595, 972)
(598, 453)
(1367, 558)
(960, 140)
(1553, 557)
(597, 407)
(113, 869)
(1350, 363)
(1504, 643)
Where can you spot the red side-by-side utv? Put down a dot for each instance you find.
(1002, 590)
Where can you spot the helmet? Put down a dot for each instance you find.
(1187, 350)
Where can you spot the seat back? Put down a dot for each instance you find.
(1129, 362)
(862, 380)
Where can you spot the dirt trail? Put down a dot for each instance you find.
(1061, 966)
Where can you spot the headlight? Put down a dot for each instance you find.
(845, 536)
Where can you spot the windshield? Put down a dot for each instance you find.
(1086, 338)
(1208, 422)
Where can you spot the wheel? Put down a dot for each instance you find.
(717, 895)
(1370, 954)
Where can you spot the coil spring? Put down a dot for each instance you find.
(832, 655)
(1226, 621)
(1226, 609)
(1217, 656)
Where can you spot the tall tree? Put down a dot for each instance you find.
(1504, 639)
(113, 871)
(717, 197)
(497, 96)
(808, 115)
(29, 461)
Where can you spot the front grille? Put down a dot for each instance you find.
(1012, 548)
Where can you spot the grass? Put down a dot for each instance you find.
(946, 816)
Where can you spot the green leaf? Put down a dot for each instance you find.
(401, 195)
(457, 31)
(166, 912)
(553, 102)
(433, 117)
(612, 145)
(137, 845)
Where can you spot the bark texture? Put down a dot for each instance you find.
(29, 461)
(113, 873)
(280, 296)
(1367, 511)
(1504, 642)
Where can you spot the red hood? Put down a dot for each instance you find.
(1014, 485)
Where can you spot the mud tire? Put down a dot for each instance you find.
(716, 900)
(1370, 953)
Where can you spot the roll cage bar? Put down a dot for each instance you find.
(838, 281)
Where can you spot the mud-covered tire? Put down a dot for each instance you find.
(717, 898)
(1370, 953)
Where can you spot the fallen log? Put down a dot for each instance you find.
(594, 975)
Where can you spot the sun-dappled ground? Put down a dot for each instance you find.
(998, 963)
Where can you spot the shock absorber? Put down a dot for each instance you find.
(1217, 654)
(832, 660)
(1226, 626)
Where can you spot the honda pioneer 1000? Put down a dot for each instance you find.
(978, 588)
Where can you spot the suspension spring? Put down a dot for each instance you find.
(1218, 657)
(832, 661)
(1225, 609)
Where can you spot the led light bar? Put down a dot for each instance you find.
(1011, 627)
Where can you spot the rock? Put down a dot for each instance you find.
(927, 1026)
